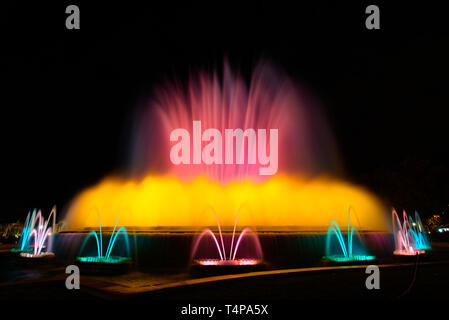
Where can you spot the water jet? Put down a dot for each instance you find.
(104, 263)
(227, 261)
(347, 254)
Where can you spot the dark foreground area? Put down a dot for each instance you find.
(430, 282)
(423, 278)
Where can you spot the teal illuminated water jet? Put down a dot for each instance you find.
(106, 257)
(347, 248)
(228, 259)
(40, 230)
(417, 230)
(25, 235)
(409, 235)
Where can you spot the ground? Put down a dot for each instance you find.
(426, 279)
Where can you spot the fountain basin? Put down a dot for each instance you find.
(154, 251)
(407, 256)
(112, 265)
(17, 250)
(44, 255)
(404, 253)
(30, 259)
(340, 260)
(212, 267)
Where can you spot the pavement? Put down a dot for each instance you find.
(413, 279)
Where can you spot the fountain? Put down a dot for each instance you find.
(41, 235)
(103, 262)
(347, 254)
(224, 118)
(409, 236)
(227, 261)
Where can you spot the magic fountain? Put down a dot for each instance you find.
(165, 198)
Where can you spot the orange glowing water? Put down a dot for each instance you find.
(280, 203)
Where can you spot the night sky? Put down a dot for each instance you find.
(68, 96)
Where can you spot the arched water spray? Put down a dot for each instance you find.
(347, 252)
(256, 242)
(106, 258)
(25, 235)
(334, 228)
(409, 236)
(231, 257)
(417, 229)
(198, 240)
(38, 229)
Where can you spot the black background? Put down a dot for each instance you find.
(67, 96)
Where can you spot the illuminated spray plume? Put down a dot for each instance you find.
(303, 194)
(409, 236)
(39, 231)
(231, 131)
(229, 257)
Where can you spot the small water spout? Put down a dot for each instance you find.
(347, 253)
(409, 236)
(38, 229)
(106, 257)
(228, 257)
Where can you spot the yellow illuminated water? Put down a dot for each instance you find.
(281, 203)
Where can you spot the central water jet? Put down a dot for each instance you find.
(228, 258)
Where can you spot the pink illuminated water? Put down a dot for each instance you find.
(403, 238)
(270, 101)
(40, 233)
(231, 257)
